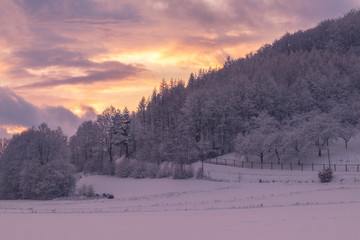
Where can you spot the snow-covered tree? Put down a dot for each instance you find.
(347, 116)
(321, 129)
(297, 140)
(277, 143)
(36, 165)
(87, 149)
(3, 144)
(260, 140)
(106, 124)
(122, 136)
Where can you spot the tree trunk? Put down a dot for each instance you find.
(278, 156)
(319, 152)
(110, 153)
(202, 168)
(126, 150)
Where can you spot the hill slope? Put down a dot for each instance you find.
(305, 85)
(287, 102)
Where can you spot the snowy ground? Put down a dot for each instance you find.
(234, 203)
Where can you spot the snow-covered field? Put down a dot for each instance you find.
(233, 204)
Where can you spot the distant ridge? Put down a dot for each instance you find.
(336, 35)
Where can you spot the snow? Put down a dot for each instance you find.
(234, 203)
(331, 222)
(285, 205)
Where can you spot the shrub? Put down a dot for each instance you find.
(183, 172)
(200, 174)
(86, 191)
(152, 170)
(108, 168)
(138, 169)
(165, 170)
(325, 175)
(123, 168)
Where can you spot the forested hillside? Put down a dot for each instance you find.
(294, 96)
(290, 98)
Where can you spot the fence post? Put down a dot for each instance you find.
(312, 166)
(334, 167)
(324, 166)
(345, 167)
(225, 162)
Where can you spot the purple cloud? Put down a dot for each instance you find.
(89, 113)
(16, 111)
(51, 10)
(93, 76)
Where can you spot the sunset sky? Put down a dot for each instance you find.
(64, 61)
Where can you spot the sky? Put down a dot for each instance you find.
(65, 61)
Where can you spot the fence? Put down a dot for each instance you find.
(284, 166)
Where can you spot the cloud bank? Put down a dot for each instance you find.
(16, 112)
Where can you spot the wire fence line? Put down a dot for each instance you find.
(284, 166)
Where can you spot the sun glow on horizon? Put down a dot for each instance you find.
(14, 129)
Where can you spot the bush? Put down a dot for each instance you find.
(165, 170)
(108, 168)
(123, 168)
(200, 174)
(325, 175)
(152, 170)
(86, 191)
(138, 169)
(55, 180)
(183, 172)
